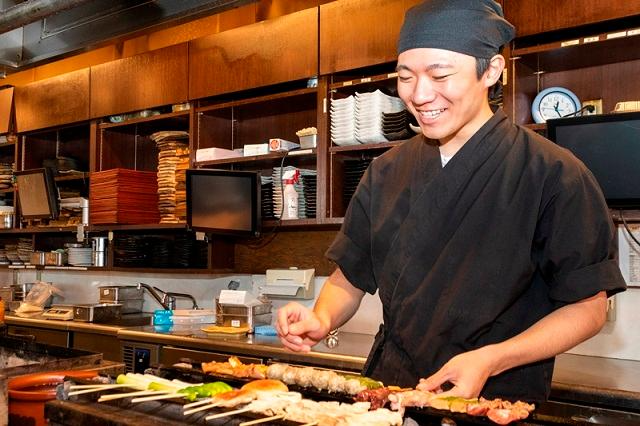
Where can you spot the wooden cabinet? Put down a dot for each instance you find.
(539, 16)
(148, 80)
(269, 52)
(6, 109)
(359, 33)
(52, 102)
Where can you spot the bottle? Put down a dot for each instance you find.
(290, 196)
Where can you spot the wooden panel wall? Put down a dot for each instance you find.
(143, 81)
(6, 104)
(54, 101)
(290, 248)
(357, 33)
(533, 17)
(269, 52)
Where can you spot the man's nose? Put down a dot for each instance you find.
(423, 92)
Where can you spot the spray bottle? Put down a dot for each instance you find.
(290, 196)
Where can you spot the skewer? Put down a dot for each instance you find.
(128, 394)
(98, 386)
(195, 404)
(204, 407)
(155, 397)
(310, 424)
(266, 419)
(228, 413)
(80, 392)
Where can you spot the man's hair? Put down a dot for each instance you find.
(482, 64)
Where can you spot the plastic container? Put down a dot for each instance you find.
(162, 317)
(28, 394)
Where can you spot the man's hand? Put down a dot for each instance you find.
(468, 372)
(299, 328)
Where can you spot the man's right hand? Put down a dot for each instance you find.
(299, 328)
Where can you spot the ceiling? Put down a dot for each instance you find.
(33, 32)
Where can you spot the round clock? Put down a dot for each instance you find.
(554, 102)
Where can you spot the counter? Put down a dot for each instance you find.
(587, 379)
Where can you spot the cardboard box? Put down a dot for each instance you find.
(256, 149)
(277, 144)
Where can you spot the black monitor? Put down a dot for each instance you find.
(609, 145)
(37, 194)
(224, 201)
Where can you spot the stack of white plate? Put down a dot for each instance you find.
(343, 121)
(79, 256)
(369, 109)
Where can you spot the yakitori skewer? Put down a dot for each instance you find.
(263, 420)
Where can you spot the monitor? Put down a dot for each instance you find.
(224, 201)
(37, 194)
(609, 145)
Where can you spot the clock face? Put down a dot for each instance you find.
(554, 102)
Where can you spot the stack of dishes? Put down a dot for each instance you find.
(4, 260)
(173, 161)
(395, 125)
(79, 255)
(11, 251)
(309, 189)
(267, 197)
(159, 251)
(369, 109)
(353, 171)
(130, 250)
(24, 249)
(6, 175)
(183, 249)
(343, 121)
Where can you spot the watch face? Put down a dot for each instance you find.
(554, 102)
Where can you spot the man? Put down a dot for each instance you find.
(492, 249)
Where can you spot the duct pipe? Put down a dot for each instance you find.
(31, 11)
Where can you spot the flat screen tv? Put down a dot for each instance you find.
(609, 145)
(224, 201)
(37, 194)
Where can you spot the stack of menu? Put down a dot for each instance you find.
(173, 161)
(123, 196)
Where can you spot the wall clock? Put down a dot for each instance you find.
(554, 102)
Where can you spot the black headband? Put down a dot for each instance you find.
(473, 27)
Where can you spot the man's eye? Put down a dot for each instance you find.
(404, 78)
(440, 77)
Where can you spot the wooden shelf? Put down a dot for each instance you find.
(363, 80)
(158, 117)
(365, 146)
(139, 227)
(7, 190)
(582, 52)
(258, 158)
(163, 270)
(536, 126)
(259, 99)
(6, 144)
(72, 176)
(39, 230)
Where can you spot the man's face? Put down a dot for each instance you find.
(441, 89)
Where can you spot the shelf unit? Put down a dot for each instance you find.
(594, 65)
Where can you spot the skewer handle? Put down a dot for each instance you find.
(204, 407)
(155, 397)
(258, 421)
(197, 403)
(228, 413)
(98, 386)
(128, 394)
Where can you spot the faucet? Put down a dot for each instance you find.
(167, 299)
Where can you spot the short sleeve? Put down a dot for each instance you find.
(351, 249)
(577, 241)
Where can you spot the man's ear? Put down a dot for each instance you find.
(494, 71)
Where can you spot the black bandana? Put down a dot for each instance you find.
(473, 27)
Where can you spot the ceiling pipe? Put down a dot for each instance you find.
(31, 11)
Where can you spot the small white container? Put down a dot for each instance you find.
(309, 141)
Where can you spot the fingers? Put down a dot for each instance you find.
(434, 382)
(293, 324)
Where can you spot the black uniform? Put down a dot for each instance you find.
(474, 253)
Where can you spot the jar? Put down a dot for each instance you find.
(6, 217)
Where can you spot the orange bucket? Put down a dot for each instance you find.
(28, 394)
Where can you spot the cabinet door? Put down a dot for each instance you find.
(357, 33)
(261, 54)
(54, 101)
(533, 17)
(6, 102)
(143, 81)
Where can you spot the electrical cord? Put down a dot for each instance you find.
(588, 108)
(262, 242)
(624, 222)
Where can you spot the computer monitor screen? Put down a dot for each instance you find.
(223, 201)
(37, 194)
(609, 145)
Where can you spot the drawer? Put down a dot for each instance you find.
(41, 335)
(171, 355)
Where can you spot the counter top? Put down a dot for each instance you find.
(593, 380)
(128, 320)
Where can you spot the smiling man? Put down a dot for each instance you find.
(491, 248)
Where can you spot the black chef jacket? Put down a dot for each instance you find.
(474, 253)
